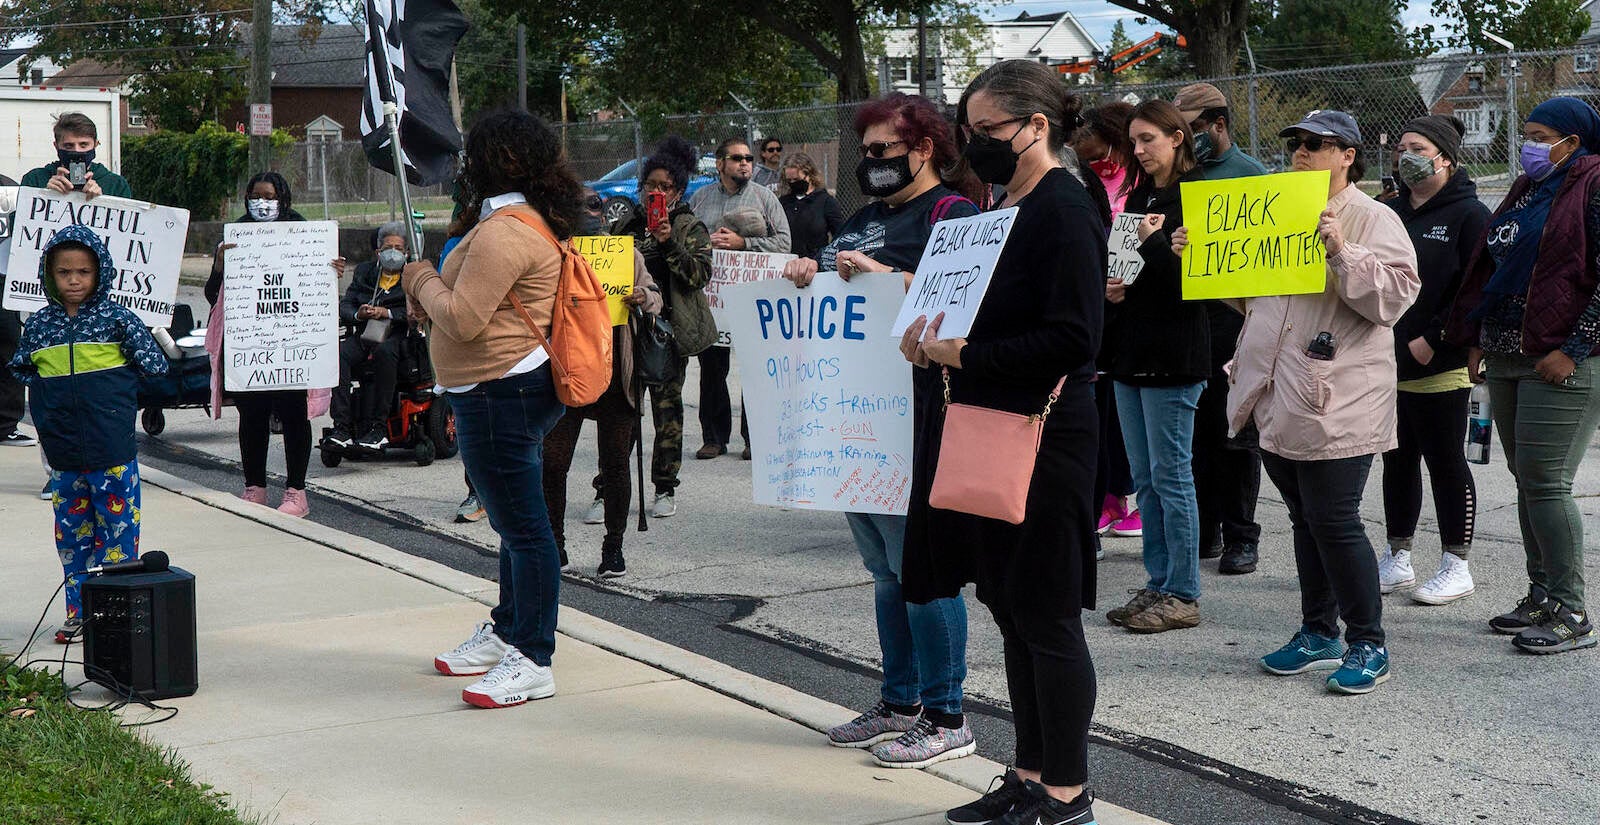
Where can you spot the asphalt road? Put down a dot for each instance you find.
(1188, 729)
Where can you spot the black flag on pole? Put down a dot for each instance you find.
(413, 42)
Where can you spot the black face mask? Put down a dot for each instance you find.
(882, 177)
(799, 187)
(67, 157)
(991, 158)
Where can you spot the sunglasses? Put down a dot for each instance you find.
(876, 149)
(741, 158)
(593, 204)
(771, 149)
(1313, 143)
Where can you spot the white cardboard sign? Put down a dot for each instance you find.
(954, 272)
(827, 392)
(280, 306)
(1125, 262)
(730, 267)
(146, 243)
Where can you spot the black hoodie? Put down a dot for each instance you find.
(1444, 231)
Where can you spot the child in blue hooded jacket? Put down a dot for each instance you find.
(82, 356)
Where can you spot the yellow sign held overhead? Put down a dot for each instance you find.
(1254, 236)
(612, 259)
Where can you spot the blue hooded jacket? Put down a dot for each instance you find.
(83, 370)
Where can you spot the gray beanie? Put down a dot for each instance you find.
(1444, 131)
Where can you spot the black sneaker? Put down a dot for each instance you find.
(339, 437)
(991, 806)
(374, 439)
(612, 565)
(17, 439)
(564, 563)
(1212, 550)
(1527, 614)
(1238, 559)
(1044, 809)
(1560, 632)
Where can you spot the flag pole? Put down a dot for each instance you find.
(391, 123)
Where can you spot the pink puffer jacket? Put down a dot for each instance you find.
(1312, 410)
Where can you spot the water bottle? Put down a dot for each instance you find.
(1479, 425)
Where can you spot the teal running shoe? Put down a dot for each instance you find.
(1365, 667)
(1304, 653)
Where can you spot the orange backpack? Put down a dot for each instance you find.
(579, 345)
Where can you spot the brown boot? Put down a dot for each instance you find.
(1141, 599)
(710, 451)
(1169, 613)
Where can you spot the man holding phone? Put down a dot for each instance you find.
(75, 168)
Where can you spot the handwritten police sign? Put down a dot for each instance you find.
(729, 268)
(612, 259)
(1254, 236)
(827, 392)
(954, 272)
(280, 306)
(146, 243)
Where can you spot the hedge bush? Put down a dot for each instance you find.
(196, 171)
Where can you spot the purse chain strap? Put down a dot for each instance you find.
(1055, 395)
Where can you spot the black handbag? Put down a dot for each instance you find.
(655, 351)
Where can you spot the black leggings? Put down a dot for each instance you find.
(255, 433)
(1433, 428)
(1112, 476)
(616, 421)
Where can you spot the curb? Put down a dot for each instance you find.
(974, 773)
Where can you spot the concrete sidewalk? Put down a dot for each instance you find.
(319, 703)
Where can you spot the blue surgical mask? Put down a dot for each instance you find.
(1535, 158)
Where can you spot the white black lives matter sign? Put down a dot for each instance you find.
(146, 242)
(280, 306)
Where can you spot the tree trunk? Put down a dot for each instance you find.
(1216, 34)
(852, 79)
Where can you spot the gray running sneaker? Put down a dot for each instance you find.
(924, 745)
(872, 727)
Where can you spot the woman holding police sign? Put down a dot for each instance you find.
(1157, 351)
(905, 143)
(1034, 339)
(1316, 375)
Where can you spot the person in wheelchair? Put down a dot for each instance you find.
(374, 311)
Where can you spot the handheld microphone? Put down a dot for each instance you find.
(154, 561)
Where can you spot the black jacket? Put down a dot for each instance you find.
(813, 221)
(1444, 231)
(363, 289)
(1156, 338)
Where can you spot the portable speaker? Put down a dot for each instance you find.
(139, 633)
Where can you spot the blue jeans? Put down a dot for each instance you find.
(500, 426)
(1158, 430)
(924, 645)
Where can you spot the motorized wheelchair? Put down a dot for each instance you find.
(417, 420)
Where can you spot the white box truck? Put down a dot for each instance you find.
(28, 115)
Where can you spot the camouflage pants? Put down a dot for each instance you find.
(666, 408)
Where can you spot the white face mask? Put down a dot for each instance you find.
(262, 209)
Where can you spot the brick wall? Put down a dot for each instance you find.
(292, 109)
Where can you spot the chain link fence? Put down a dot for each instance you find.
(1489, 93)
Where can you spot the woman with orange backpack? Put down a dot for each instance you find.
(501, 385)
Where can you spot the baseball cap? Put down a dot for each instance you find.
(1328, 123)
(1198, 97)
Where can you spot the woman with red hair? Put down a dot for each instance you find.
(906, 145)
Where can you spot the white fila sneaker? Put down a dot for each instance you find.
(514, 681)
(474, 656)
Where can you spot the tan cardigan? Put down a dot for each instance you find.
(477, 334)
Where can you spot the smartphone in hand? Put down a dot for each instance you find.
(655, 210)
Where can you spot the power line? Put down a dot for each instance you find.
(127, 22)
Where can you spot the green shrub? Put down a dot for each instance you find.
(196, 171)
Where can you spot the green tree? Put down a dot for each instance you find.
(1296, 34)
(1529, 24)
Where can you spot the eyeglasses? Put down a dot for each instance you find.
(877, 148)
(655, 186)
(741, 158)
(1313, 143)
(771, 149)
(988, 131)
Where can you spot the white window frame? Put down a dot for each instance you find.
(1585, 63)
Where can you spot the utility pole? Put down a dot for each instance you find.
(922, 51)
(522, 67)
(261, 79)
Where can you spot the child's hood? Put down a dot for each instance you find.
(87, 237)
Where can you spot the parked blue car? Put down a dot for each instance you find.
(620, 187)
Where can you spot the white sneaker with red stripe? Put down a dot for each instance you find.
(475, 656)
(514, 681)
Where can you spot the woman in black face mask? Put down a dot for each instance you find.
(918, 717)
(814, 215)
(1036, 332)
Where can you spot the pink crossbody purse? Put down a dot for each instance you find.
(986, 458)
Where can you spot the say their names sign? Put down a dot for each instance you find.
(280, 306)
(1124, 260)
(612, 259)
(827, 392)
(730, 267)
(954, 272)
(145, 240)
(1255, 236)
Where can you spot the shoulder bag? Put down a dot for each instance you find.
(986, 458)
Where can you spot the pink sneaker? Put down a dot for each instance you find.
(1111, 511)
(254, 495)
(294, 503)
(1129, 526)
